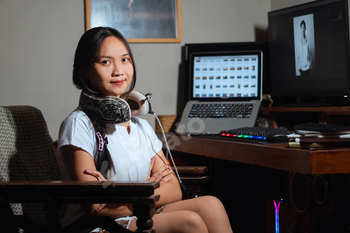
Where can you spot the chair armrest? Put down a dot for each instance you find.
(141, 195)
(192, 170)
(76, 191)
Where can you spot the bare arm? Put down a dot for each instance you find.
(79, 161)
(169, 191)
(160, 171)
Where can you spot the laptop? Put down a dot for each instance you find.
(225, 91)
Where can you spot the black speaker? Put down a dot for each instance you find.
(301, 193)
(319, 203)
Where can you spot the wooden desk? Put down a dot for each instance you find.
(257, 187)
(278, 156)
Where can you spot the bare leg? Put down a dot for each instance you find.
(209, 208)
(202, 214)
(176, 222)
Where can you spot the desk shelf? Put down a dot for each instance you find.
(279, 116)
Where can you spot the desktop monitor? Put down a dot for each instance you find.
(309, 52)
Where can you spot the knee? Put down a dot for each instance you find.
(212, 207)
(194, 222)
(211, 202)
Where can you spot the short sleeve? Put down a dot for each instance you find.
(155, 142)
(76, 130)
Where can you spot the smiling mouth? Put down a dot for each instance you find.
(119, 82)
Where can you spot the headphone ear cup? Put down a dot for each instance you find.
(138, 103)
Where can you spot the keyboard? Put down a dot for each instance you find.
(257, 134)
(232, 110)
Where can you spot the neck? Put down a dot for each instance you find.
(127, 126)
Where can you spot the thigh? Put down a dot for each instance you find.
(200, 204)
(210, 210)
(176, 221)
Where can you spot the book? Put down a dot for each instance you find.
(317, 144)
(312, 135)
(321, 128)
(322, 139)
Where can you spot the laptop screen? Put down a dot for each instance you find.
(226, 75)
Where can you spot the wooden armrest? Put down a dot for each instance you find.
(195, 180)
(192, 169)
(77, 192)
(51, 193)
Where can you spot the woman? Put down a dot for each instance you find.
(304, 57)
(93, 150)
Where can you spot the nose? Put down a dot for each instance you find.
(117, 70)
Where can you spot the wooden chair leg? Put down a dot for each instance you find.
(144, 213)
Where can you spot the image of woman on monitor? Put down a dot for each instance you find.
(303, 44)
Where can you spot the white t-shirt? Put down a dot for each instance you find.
(131, 153)
(305, 55)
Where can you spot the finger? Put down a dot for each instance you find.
(92, 173)
(152, 178)
(96, 174)
(160, 170)
(156, 178)
(165, 172)
(157, 175)
(100, 207)
(161, 175)
(166, 179)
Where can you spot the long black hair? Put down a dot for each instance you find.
(88, 47)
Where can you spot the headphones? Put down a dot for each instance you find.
(114, 110)
(139, 103)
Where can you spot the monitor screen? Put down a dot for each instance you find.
(220, 61)
(309, 50)
(226, 75)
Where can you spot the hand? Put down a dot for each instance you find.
(161, 175)
(95, 174)
(99, 177)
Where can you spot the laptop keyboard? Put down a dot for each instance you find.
(230, 110)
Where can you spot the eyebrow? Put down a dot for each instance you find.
(106, 56)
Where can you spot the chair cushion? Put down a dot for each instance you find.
(26, 153)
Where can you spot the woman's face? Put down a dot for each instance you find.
(112, 70)
(302, 29)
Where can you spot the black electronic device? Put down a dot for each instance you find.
(322, 128)
(256, 134)
(309, 52)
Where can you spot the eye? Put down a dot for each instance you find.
(126, 59)
(106, 62)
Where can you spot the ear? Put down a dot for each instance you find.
(139, 104)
